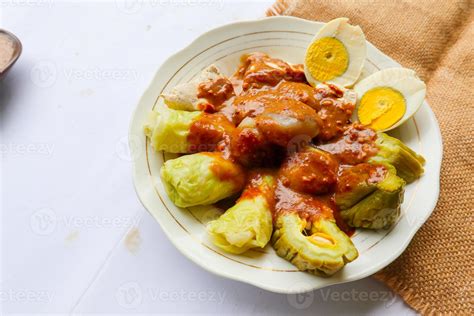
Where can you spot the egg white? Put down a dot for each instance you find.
(402, 80)
(353, 39)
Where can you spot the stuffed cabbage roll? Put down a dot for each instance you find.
(248, 224)
(206, 93)
(408, 163)
(201, 179)
(306, 234)
(187, 132)
(369, 195)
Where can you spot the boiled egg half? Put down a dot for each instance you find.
(336, 54)
(386, 99)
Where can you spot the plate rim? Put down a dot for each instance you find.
(188, 254)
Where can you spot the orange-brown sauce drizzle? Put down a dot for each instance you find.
(310, 171)
(256, 186)
(350, 176)
(307, 206)
(258, 70)
(210, 132)
(226, 169)
(216, 92)
(356, 145)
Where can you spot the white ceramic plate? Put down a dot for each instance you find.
(286, 38)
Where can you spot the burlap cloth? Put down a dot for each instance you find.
(435, 38)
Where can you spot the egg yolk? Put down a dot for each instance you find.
(326, 59)
(381, 107)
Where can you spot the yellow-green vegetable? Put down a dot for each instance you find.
(168, 129)
(317, 246)
(408, 163)
(248, 224)
(201, 179)
(371, 201)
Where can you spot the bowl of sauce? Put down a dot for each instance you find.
(10, 51)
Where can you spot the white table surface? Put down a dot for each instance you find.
(75, 238)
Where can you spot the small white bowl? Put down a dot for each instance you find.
(286, 38)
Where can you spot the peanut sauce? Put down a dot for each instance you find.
(307, 206)
(216, 92)
(256, 186)
(310, 171)
(350, 177)
(356, 145)
(259, 69)
(226, 169)
(210, 132)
